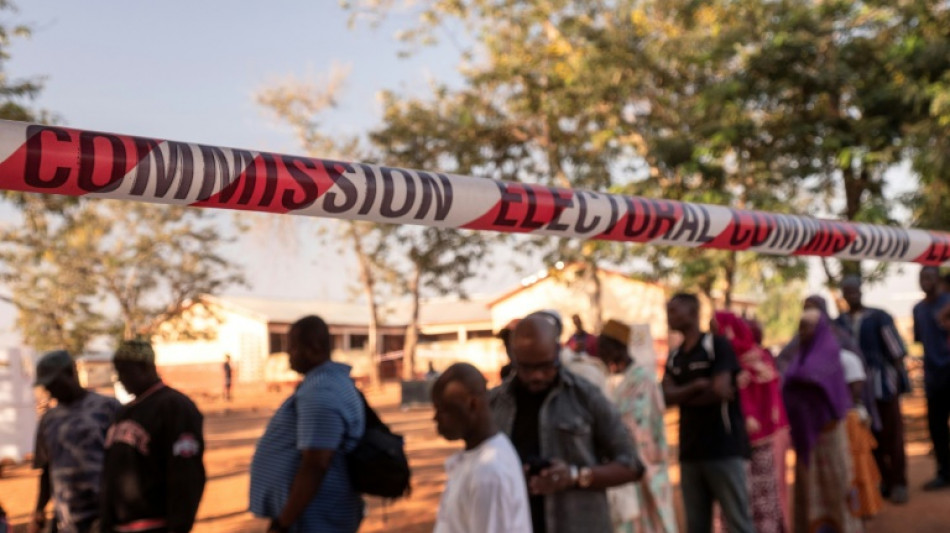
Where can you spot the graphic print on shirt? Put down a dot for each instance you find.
(186, 446)
(131, 433)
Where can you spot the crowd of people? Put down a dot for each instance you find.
(572, 440)
(132, 468)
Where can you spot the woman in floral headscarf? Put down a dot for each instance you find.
(761, 401)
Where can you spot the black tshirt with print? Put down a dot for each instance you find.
(154, 473)
(713, 431)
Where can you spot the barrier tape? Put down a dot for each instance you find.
(55, 160)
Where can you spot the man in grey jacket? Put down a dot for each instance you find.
(568, 435)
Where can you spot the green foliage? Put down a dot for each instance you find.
(46, 267)
(76, 268)
(418, 134)
(301, 105)
(421, 134)
(97, 267)
(922, 70)
(795, 106)
(777, 311)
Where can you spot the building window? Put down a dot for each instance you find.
(480, 334)
(441, 337)
(336, 341)
(358, 342)
(278, 342)
(392, 343)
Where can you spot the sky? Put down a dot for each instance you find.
(188, 71)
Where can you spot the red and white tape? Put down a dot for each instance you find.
(54, 160)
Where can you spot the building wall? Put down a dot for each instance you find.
(627, 300)
(486, 354)
(198, 363)
(17, 405)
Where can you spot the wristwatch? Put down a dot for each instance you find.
(585, 477)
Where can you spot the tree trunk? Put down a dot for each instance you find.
(595, 292)
(856, 181)
(705, 289)
(412, 330)
(369, 289)
(730, 273)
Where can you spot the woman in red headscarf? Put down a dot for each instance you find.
(760, 396)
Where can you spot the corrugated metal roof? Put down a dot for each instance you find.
(288, 311)
(431, 312)
(451, 311)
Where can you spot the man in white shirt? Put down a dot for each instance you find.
(485, 491)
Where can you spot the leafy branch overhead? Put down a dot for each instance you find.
(109, 267)
(797, 106)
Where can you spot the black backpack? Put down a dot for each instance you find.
(378, 465)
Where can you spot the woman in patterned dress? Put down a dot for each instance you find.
(646, 506)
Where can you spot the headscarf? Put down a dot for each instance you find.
(847, 342)
(760, 398)
(815, 390)
(756, 329)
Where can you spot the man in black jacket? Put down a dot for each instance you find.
(154, 475)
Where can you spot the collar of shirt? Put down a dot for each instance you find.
(330, 367)
(457, 459)
(151, 390)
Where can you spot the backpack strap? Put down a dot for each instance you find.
(372, 418)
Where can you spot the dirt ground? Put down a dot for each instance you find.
(233, 429)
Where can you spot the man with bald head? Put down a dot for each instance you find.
(485, 490)
(884, 351)
(568, 436)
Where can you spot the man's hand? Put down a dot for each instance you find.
(752, 425)
(37, 522)
(701, 385)
(552, 479)
(743, 379)
(275, 527)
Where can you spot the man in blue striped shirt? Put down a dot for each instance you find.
(298, 475)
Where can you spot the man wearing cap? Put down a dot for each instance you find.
(70, 444)
(568, 436)
(153, 475)
(647, 505)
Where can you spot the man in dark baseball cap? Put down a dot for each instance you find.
(51, 366)
(70, 445)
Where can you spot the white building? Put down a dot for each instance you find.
(17, 405)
